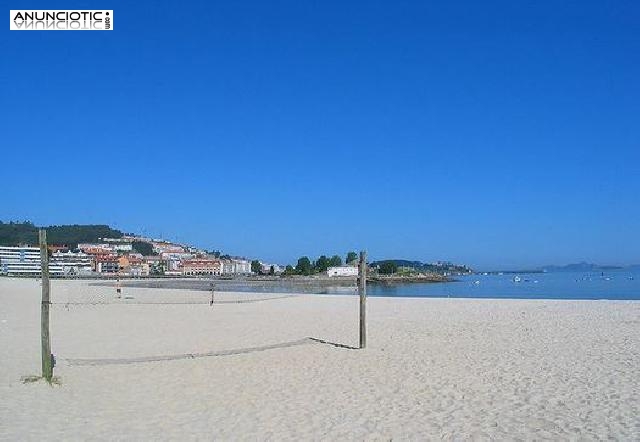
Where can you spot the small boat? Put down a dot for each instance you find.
(517, 278)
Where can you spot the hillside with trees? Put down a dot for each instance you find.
(16, 233)
(143, 248)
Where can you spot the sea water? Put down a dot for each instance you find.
(619, 284)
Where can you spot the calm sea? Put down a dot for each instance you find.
(620, 284)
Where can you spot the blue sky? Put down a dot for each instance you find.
(497, 134)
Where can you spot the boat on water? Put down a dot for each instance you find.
(517, 279)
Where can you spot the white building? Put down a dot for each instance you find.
(164, 247)
(243, 267)
(104, 248)
(119, 244)
(71, 263)
(342, 271)
(236, 267)
(24, 261)
(173, 256)
(121, 247)
(266, 268)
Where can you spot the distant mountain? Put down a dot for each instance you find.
(15, 233)
(580, 267)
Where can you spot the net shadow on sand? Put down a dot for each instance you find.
(240, 351)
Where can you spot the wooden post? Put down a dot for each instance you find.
(47, 358)
(362, 290)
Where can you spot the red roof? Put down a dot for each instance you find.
(109, 258)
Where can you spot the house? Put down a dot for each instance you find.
(133, 265)
(119, 244)
(95, 249)
(342, 271)
(266, 268)
(157, 265)
(106, 264)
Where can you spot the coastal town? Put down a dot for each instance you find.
(123, 257)
(133, 256)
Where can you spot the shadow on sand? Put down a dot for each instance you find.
(240, 351)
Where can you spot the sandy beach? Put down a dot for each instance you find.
(167, 365)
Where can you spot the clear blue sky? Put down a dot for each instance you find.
(498, 134)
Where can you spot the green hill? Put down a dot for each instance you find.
(15, 233)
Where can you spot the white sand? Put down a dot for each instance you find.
(434, 368)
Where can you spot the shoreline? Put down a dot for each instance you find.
(317, 279)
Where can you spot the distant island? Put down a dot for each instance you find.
(580, 267)
(575, 267)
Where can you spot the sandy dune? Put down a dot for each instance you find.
(434, 368)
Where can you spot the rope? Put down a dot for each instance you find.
(125, 361)
(126, 302)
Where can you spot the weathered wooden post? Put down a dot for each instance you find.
(47, 357)
(362, 290)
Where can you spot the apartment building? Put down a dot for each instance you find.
(24, 261)
(72, 263)
(192, 267)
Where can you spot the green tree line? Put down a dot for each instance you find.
(307, 267)
(16, 233)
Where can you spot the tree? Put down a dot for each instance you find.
(335, 261)
(322, 264)
(304, 266)
(289, 270)
(388, 267)
(256, 267)
(272, 270)
(351, 256)
(15, 233)
(143, 248)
